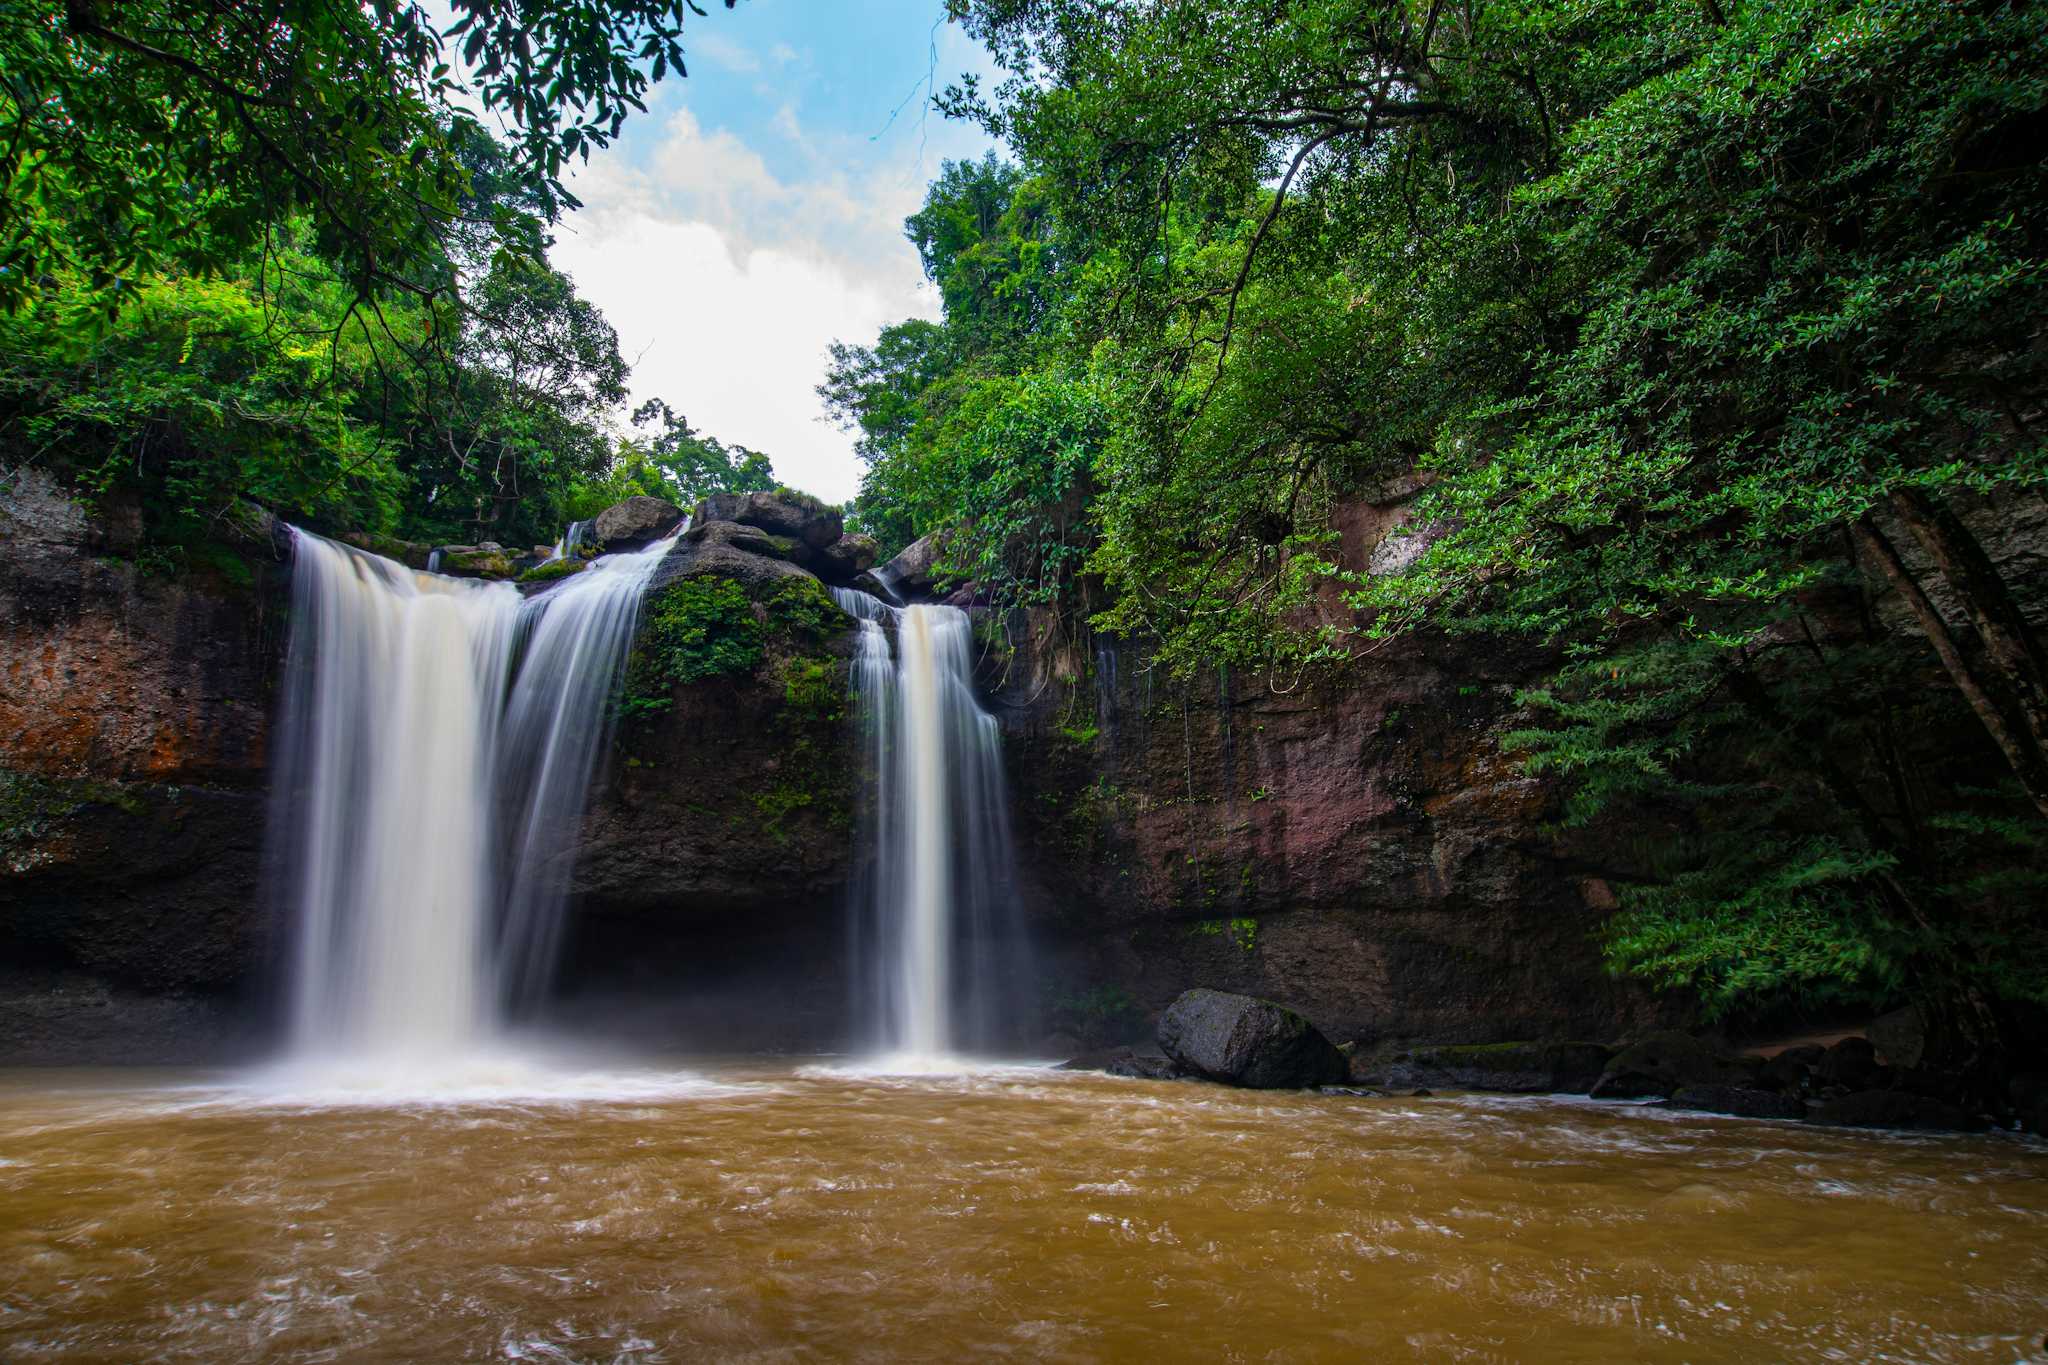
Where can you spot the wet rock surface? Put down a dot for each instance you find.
(1739, 1101)
(1899, 1110)
(1242, 1041)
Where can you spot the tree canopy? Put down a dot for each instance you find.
(1711, 332)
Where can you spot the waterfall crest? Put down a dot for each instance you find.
(937, 949)
(422, 904)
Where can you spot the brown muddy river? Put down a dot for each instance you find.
(772, 1212)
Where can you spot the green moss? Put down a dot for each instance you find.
(552, 570)
(693, 629)
(802, 612)
(32, 809)
(1243, 931)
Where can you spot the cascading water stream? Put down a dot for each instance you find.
(940, 955)
(421, 904)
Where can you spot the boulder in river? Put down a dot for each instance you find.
(1244, 1041)
(1664, 1063)
(1899, 1037)
(639, 520)
(1792, 1069)
(1852, 1064)
(1512, 1068)
(1741, 1101)
(1897, 1109)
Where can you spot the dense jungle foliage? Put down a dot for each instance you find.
(1714, 333)
(269, 252)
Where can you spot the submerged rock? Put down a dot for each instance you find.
(1240, 1040)
(1664, 1063)
(1741, 1101)
(1512, 1068)
(1897, 1109)
(638, 521)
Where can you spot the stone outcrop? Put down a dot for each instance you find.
(636, 522)
(912, 573)
(1241, 1041)
(134, 726)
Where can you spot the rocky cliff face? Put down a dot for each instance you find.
(1357, 850)
(133, 715)
(1356, 847)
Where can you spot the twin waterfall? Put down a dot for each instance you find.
(934, 932)
(438, 743)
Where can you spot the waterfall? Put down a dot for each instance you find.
(421, 901)
(936, 945)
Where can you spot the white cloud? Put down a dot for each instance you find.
(723, 51)
(727, 283)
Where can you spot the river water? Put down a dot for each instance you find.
(779, 1212)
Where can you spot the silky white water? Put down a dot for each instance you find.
(938, 954)
(438, 742)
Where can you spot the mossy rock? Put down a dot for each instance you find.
(554, 569)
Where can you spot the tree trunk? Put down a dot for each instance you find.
(2027, 759)
(2008, 639)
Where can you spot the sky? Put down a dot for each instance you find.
(754, 214)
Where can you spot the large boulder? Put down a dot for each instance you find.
(1852, 1064)
(912, 573)
(2028, 1093)
(639, 520)
(751, 539)
(1664, 1063)
(1900, 1038)
(846, 558)
(1740, 1101)
(488, 560)
(1897, 1109)
(1240, 1040)
(781, 513)
(1513, 1068)
(1791, 1070)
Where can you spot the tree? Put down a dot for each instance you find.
(138, 136)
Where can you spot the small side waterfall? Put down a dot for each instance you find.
(422, 904)
(939, 954)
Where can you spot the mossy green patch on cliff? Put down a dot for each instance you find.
(810, 768)
(693, 629)
(33, 809)
(800, 610)
(1243, 931)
